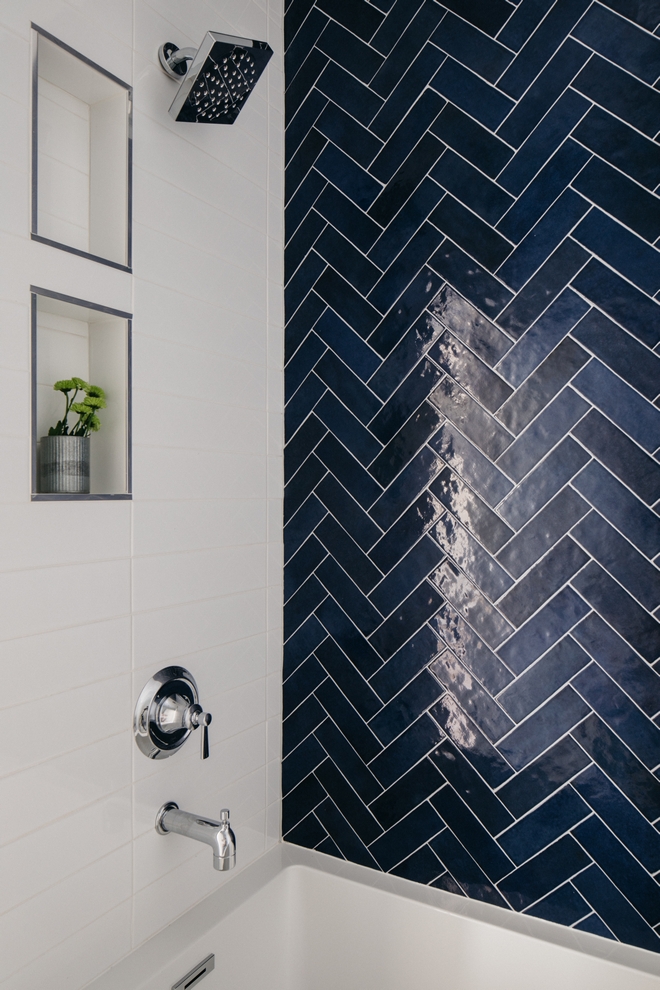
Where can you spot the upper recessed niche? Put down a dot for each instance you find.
(81, 155)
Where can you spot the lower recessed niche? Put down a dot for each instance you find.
(76, 338)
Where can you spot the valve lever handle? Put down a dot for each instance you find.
(201, 719)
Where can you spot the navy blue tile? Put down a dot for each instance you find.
(540, 730)
(405, 400)
(616, 606)
(543, 630)
(348, 387)
(541, 680)
(621, 94)
(301, 524)
(301, 283)
(620, 145)
(406, 179)
(523, 22)
(347, 175)
(302, 362)
(620, 765)
(348, 596)
(346, 634)
(301, 485)
(308, 833)
(476, 839)
(466, 781)
(406, 663)
(305, 197)
(301, 684)
(347, 428)
(562, 464)
(358, 16)
(471, 557)
(423, 866)
(543, 190)
(541, 95)
(621, 508)
(302, 644)
(536, 831)
(346, 217)
(471, 877)
(471, 94)
(620, 42)
(546, 430)
(347, 553)
(476, 469)
(303, 104)
(472, 698)
(298, 764)
(646, 14)
(621, 197)
(406, 707)
(302, 444)
(300, 802)
(543, 141)
(548, 576)
(630, 360)
(346, 840)
(543, 238)
(301, 604)
(407, 47)
(488, 16)
(403, 227)
(623, 457)
(402, 839)
(406, 620)
(471, 742)
(349, 135)
(410, 747)
(615, 910)
(390, 335)
(594, 926)
(407, 574)
(470, 139)
(471, 511)
(348, 679)
(636, 678)
(346, 343)
(542, 532)
(344, 508)
(471, 650)
(348, 721)
(542, 44)
(564, 906)
(618, 711)
(625, 304)
(413, 126)
(475, 376)
(545, 286)
(406, 531)
(414, 80)
(301, 565)
(348, 471)
(471, 187)
(329, 846)
(400, 13)
(543, 776)
(299, 325)
(471, 233)
(405, 267)
(296, 11)
(347, 760)
(405, 444)
(638, 418)
(349, 304)
(617, 556)
(352, 54)
(470, 47)
(476, 424)
(350, 805)
(616, 811)
(557, 863)
(410, 790)
(300, 723)
(624, 251)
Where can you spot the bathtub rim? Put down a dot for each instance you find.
(161, 949)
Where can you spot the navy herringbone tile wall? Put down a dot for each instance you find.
(471, 692)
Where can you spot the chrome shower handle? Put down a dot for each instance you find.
(201, 719)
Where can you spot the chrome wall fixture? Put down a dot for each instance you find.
(216, 79)
(218, 835)
(167, 711)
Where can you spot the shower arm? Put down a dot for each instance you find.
(172, 59)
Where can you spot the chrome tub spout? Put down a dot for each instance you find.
(218, 835)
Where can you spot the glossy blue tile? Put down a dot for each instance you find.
(476, 424)
(406, 575)
(302, 523)
(348, 554)
(471, 877)
(348, 636)
(542, 631)
(408, 792)
(638, 418)
(470, 649)
(299, 763)
(621, 146)
(476, 839)
(406, 620)
(415, 78)
(482, 337)
(347, 720)
(472, 48)
(540, 730)
(347, 760)
(647, 15)
(345, 838)
(349, 135)
(488, 17)
(620, 42)
(405, 267)
(348, 679)
(471, 510)
(531, 495)
(411, 746)
(541, 680)
(300, 723)
(405, 400)
(300, 802)
(595, 926)
(347, 428)
(486, 621)
(471, 742)
(543, 776)
(348, 471)
(302, 322)
(402, 839)
(346, 343)
(523, 22)
(302, 362)
(620, 765)
(413, 126)
(475, 376)
(636, 678)
(536, 831)
(349, 51)
(348, 387)
(470, 93)
(301, 604)
(296, 12)
(302, 444)
(347, 175)
(405, 180)
(471, 187)
(620, 197)
(621, 94)
(358, 16)
(477, 470)
(543, 238)
(400, 13)
(305, 197)
(302, 644)
(301, 283)
(625, 304)
(471, 140)
(468, 784)
(348, 596)
(557, 863)
(547, 430)
(621, 508)
(347, 511)
(543, 531)
(407, 46)
(406, 707)
(406, 531)
(301, 485)
(475, 236)
(423, 866)
(303, 103)
(617, 556)
(471, 557)
(630, 360)
(545, 286)
(412, 346)
(617, 607)
(542, 94)
(564, 906)
(329, 846)
(346, 216)
(616, 911)
(301, 565)
(473, 699)
(544, 579)
(301, 683)
(308, 833)
(390, 332)
(348, 802)
(406, 663)
(405, 224)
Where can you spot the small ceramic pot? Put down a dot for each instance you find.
(65, 465)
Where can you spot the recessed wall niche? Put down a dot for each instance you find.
(75, 338)
(81, 155)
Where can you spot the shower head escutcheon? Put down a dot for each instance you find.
(216, 79)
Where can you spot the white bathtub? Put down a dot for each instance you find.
(299, 920)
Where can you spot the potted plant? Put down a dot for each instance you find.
(65, 451)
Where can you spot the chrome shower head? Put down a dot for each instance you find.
(216, 79)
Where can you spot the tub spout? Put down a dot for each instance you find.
(218, 835)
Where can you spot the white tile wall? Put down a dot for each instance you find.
(97, 596)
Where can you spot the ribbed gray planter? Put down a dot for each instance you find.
(65, 465)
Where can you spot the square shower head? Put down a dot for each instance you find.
(222, 75)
